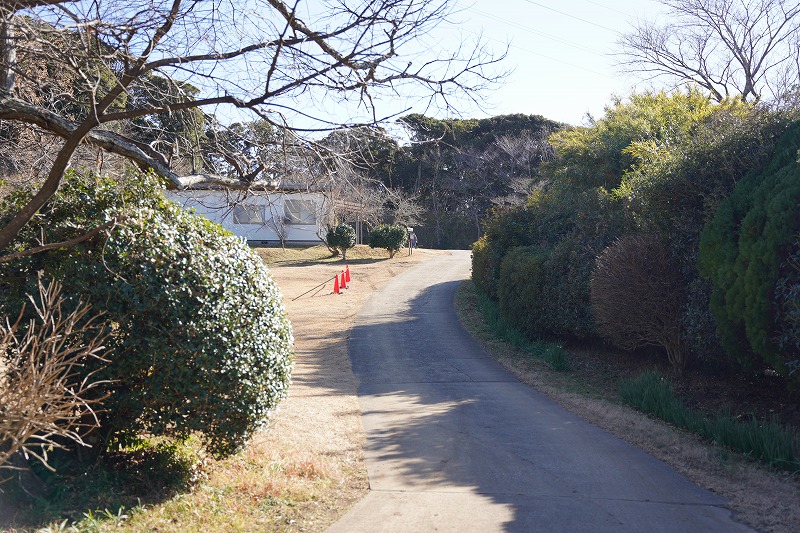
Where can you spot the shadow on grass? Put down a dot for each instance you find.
(118, 482)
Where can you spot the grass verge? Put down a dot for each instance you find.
(81, 496)
(304, 255)
(766, 441)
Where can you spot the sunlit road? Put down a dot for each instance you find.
(456, 443)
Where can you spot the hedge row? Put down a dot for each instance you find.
(727, 172)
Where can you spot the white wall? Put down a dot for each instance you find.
(219, 205)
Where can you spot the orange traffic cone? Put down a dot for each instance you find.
(336, 284)
(344, 282)
(347, 273)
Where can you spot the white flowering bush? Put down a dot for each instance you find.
(201, 340)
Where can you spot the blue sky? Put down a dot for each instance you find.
(562, 53)
(561, 56)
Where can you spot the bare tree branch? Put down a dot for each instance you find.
(64, 244)
(727, 47)
(126, 76)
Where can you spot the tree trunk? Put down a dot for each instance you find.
(8, 54)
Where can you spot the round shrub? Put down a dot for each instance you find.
(201, 340)
(637, 296)
(392, 238)
(341, 238)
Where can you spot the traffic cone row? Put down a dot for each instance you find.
(345, 278)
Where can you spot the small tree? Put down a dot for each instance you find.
(637, 296)
(340, 238)
(390, 237)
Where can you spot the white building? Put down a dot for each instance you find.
(263, 215)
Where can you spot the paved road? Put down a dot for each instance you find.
(456, 443)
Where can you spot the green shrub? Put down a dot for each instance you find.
(201, 340)
(545, 291)
(341, 238)
(675, 188)
(566, 295)
(552, 353)
(503, 230)
(392, 238)
(481, 263)
(521, 284)
(741, 252)
(787, 309)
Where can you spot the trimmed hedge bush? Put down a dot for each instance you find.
(392, 238)
(341, 238)
(544, 292)
(637, 296)
(201, 340)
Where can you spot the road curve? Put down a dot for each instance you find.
(456, 443)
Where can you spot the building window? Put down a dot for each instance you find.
(248, 214)
(299, 212)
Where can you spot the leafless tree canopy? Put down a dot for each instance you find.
(747, 48)
(102, 71)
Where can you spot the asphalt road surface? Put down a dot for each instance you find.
(456, 443)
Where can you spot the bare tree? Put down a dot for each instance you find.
(727, 47)
(254, 56)
(43, 400)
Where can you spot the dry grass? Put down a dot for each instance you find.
(765, 500)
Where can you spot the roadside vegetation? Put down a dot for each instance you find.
(767, 441)
(651, 229)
